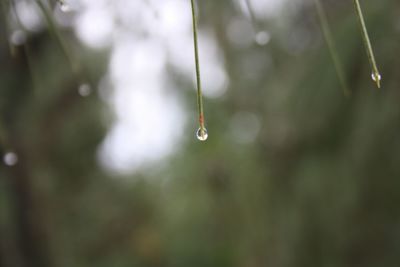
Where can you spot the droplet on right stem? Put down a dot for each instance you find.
(376, 77)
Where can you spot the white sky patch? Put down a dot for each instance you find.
(150, 117)
(174, 19)
(148, 127)
(95, 26)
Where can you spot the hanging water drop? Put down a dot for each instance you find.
(202, 134)
(10, 159)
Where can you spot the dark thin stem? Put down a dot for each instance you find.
(375, 73)
(197, 61)
(326, 30)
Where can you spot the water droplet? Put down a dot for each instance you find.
(262, 38)
(202, 134)
(84, 90)
(10, 159)
(64, 6)
(376, 77)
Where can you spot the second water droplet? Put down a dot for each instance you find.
(376, 77)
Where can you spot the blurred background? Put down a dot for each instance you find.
(99, 161)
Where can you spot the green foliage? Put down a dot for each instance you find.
(319, 186)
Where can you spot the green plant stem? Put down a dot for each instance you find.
(326, 30)
(197, 62)
(375, 73)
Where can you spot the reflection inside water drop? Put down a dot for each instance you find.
(202, 134)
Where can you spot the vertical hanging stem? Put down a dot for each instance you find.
(198, 79)
(331, 46)
(375, 73)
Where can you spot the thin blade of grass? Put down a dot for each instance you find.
(376, 76)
